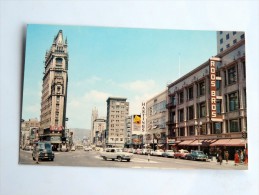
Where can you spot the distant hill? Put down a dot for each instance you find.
(80, 134)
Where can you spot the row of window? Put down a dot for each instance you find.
(233, 125)
(231, 104)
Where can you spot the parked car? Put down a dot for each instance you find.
(196, 155)
(130, 150)
(168, 153)
(73, 148)
(157, 152)
(44, 151)
(28, 148)
(144, 151)
(86, 148)
(138, 151)
(181, 153)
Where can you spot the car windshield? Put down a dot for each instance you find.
(199, 152)
(119, 150)
(44, 146)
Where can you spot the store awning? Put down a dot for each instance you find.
(236, 142)
(220, 142)
(185, 143)
(196, 142)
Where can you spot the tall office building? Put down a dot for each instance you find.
(54, 92)
(226, 39)
(117, 111)
(93, 118)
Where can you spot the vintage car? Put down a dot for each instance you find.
(44, 150)
(181, 153)
(196, 155)
(157, 152)
(168, 153)
(116, 153)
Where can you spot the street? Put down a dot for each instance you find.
(92, 159)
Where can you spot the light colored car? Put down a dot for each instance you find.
(73, 148)
(157, 152)
(87, 148)
(138, 151)
(168, 153)
(116, 153)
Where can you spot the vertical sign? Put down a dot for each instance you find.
(143, 117)
(213, 97)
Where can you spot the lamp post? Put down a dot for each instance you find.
(198, 126)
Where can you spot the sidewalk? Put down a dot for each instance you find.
(230, 162)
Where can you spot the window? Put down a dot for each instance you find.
(190, 93)
(234, 41)
(201, 88)
(221, 49)
(218, 107)
(202, 109)
(233, 101)
(234, 125)
(221, 41)
(181, 115)
(227, 36)
(227, 46)
(218, 84)
(190, 113)
(191, 130)
(181, 97)
(242, 36)
(217, 128)
(182, 131)
(220, 32)
(232, 75)
(234, 32)
(244, 68)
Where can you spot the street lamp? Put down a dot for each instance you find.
(198, 126)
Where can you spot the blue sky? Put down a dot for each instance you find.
(105, 61)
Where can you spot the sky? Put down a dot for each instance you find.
(132, 63)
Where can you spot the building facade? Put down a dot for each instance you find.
(133, 134)
(54, 92)
(117, 111)
(207, 106)
(29, 132)
(99, 126)
(156, 134)
(93, 118)
(225, 39)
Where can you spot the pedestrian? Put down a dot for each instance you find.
(37, 153)
(226, 156)
(236, 158)
(241, 157)
(220, 157)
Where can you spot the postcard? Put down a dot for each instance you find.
(134, 98)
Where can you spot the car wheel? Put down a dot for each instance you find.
(186, 158)
(194, 158)
(104, 158)
(128, 160)
(119, 159)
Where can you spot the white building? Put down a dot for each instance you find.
(225, 39)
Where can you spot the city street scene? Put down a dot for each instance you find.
(134, 98)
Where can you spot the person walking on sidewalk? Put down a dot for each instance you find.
(236, 158)
(220, 157)
(226, 156)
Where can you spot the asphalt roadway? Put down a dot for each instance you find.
(92, 159)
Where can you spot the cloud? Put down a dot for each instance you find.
(139, 85)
